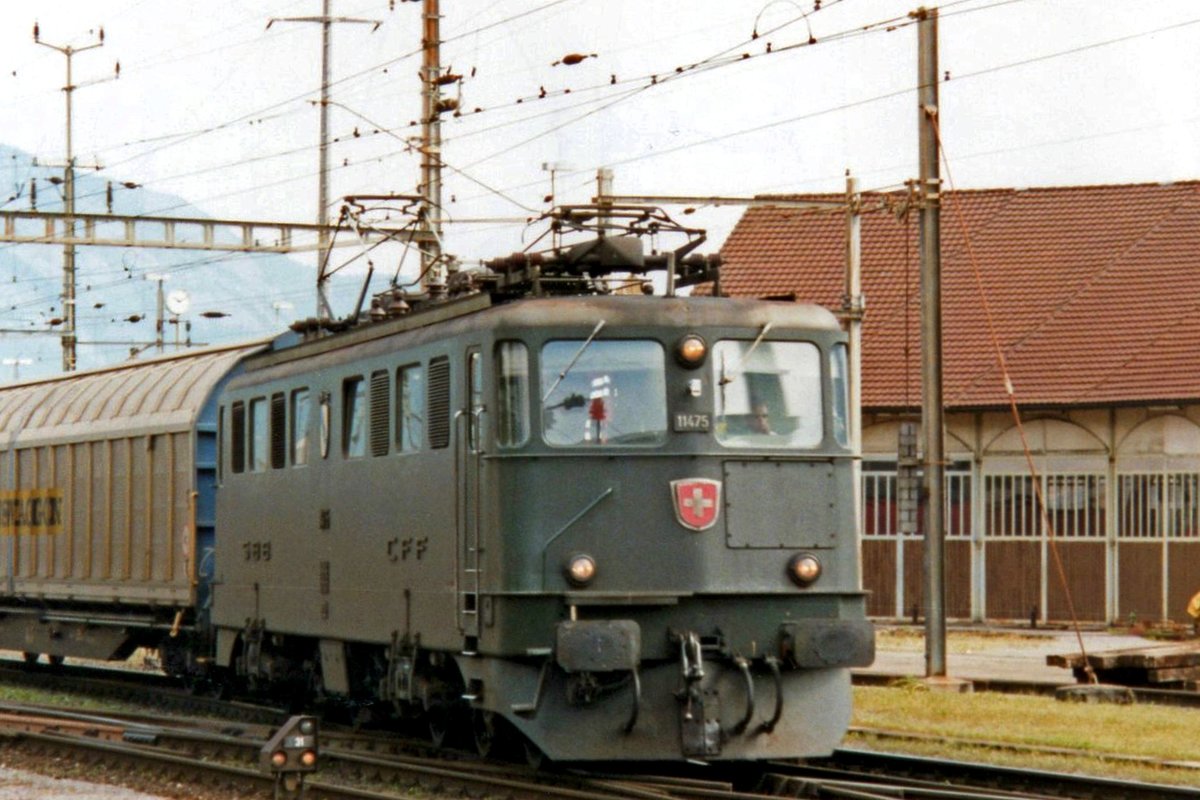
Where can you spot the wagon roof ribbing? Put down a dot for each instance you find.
(162, 394)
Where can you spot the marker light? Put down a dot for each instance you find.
(292, 749)
(804, 569)
(581, 569)
(691, 351)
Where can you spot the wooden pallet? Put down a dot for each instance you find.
(1154, 665)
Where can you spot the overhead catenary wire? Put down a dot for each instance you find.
(864, 28)
(370, 70)
(648, 81)
(830, 110)
(880, 25)
(171, 140)
(858, 103)
(167, 141)
(898, 93)
(719, 60)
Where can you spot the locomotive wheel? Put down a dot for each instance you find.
(534, 756)
(204, 686)
(486, 727)
(438, 718)
(55, 661)
(31, 658)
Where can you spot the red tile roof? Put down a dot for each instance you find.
(1094, 290)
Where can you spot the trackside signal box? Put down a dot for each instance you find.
(291, 753)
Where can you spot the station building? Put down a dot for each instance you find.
(1093, 293)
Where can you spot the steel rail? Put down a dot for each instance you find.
(1038, 782)
(841, 776)
(986, 744)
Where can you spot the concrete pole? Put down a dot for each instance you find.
(431, 149)
(852, 308)
(68, 315)
(932, 422)
(324, 309)
(160, 316)
(69, 337)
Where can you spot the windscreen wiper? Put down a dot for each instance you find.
(571, 363)
(728, 379)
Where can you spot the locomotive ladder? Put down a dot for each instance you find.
(471, 568)
(469, 591)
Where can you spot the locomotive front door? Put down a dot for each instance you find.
(469, 449)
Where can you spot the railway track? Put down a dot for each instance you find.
(882, 735)
(224, 763)
(1014, 782)
(220, 756)
(143, 689)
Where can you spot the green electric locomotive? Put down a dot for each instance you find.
(619, 524)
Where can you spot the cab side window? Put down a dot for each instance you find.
(354, 418)
(298, 431)
(237, 437)
(410, 408)
(259, 437)
(512, 415)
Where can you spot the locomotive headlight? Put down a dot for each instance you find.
(804, 569)
(691, 351)
(581, 569)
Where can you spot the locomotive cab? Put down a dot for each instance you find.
(670, 516)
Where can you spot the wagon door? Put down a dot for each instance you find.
(469, 452)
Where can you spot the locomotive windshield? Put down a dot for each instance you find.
(768, 394)
(603, 393)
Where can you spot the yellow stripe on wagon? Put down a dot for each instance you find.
(31, 512)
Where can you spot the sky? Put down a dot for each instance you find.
(677, 97)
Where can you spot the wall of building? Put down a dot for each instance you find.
(1119, 540)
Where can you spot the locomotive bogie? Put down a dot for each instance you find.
(613, 717)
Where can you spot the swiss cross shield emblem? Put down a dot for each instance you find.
(697, 502)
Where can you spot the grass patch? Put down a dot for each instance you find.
(66, 700)
(1157, 733)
